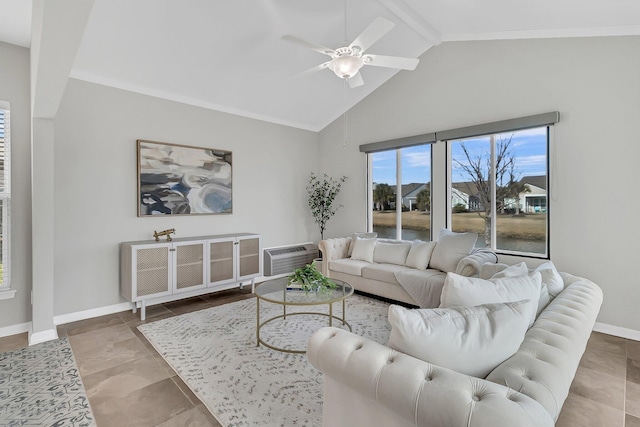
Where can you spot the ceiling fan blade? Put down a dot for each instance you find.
(392, 62)
(355, 81)
(309, 45)
(313, 70)
(374, 32)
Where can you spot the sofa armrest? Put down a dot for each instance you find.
(415, 391)
(545, 365)
(336, 248)
(471, 264)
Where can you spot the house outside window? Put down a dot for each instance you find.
(5, 200)
(401, 212)
(498, 187)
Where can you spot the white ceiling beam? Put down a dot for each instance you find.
(413, 19)
(56, 32)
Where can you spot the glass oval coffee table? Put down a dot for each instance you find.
(275, 291)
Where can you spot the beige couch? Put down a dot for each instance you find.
(370, 384)
(396, 280)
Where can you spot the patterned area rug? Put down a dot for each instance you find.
(40, 386)
(214, 351)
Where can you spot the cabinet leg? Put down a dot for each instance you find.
(143, 310)
(134, 310)
(253, 286)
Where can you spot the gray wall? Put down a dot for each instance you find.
(14, 88)
(95, 183)
(592, 82)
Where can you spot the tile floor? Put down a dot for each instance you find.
(129, 384)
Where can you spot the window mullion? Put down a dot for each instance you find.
(494, 203)
(398, 194)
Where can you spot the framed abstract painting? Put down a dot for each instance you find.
(183, 180)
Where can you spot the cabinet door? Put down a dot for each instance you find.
(249, 262)
(222, 262)
(153, 271)
(190, 267)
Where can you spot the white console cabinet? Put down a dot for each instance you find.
(165, 271)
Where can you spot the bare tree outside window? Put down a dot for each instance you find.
(519, 169)
(478, 168)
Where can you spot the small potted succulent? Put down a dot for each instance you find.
(309, 279)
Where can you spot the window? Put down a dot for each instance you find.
(498, 187)
(5, 196)
(402, 212)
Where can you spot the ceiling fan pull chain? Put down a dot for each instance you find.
(345, 125)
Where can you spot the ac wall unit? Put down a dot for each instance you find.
(287, 259)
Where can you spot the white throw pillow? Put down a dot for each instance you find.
(521, 269)
(470, 340)
(551, 278)
(469, 291)
(363, 249)
(363, 235)
(391, 253)
(450, 249)
(489, 269)
(420, 254)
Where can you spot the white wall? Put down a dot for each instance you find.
(592, 82)
(14, 88)
(95, 183)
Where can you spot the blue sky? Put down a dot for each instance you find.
(528, 147)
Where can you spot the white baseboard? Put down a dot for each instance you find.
(88, 314)
(20, 328)
(617, 331)
(43, 336)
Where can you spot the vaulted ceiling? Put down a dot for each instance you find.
(230, 55)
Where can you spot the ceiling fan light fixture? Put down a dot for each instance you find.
(346, 66)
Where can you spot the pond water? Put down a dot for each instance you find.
(504, 242)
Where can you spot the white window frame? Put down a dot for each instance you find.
(398, 199)
(5, 195)
(494, 210)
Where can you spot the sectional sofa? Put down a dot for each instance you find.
(411, 272)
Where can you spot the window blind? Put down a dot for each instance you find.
(508, 125)
(2, 150)
(427, 138)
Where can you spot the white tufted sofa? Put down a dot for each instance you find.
(368, 384)
(381, 279)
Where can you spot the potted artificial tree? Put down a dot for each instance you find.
(322, 194)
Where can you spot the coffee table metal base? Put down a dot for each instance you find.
(284, 316)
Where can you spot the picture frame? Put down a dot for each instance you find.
(178, 179)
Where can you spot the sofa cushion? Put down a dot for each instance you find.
(348, 266)
(470, 340)
(391, 253)
(383, 272)
(514, 270)
(469, 291)
(551, 278)
(521, 269)
(419, 254)
(363, 249)
(489, 269)
(363, 235)
(451, 247)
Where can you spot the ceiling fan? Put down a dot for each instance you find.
(346, 61)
